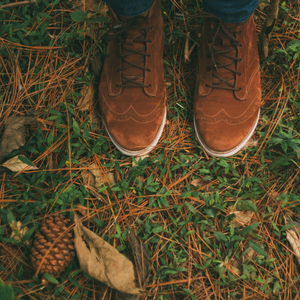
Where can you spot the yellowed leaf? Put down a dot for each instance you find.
(15, 165)
(18, 232)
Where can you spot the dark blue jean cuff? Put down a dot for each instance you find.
(130, 8)
(231, 11)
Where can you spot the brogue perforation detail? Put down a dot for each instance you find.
(227, 119)
(132, 114)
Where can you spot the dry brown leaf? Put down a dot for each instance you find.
(236, 266)
(86, 101)
(94, 179)
(98, 179)
(142, 262)
(16, 165)
(251, 254)
(293, 238)
(103, 262)
(198, 181)
(14, 133)
(242, 217)
(141, 257)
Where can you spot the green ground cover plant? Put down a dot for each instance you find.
(183, 204)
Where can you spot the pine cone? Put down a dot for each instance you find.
(62, 252)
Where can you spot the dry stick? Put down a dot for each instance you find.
(267, 29)
(16, 4)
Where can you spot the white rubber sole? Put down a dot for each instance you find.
(143, 151)
(230, 152)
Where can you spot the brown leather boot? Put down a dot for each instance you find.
(132, 93)
(228, 91)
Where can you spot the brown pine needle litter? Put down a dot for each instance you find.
(179, 201)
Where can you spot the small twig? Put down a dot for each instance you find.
(16, 4)
(187, 49)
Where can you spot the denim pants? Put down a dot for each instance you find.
(230, 11)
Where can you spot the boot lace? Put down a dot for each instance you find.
(230, 33)
(119, 32)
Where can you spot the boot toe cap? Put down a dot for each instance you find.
(136, 138)
(222, 138)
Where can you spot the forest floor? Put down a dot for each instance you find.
(215, 228)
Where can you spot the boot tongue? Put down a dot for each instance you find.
(132, 35)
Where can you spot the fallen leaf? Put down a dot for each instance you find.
(250, 254)
(236, 266)
(103, 262)
(14, 133)
(198, 181)
(97, 177)
(16, 165)
(100, 178)
(94, 179)
(86, 101)
(18, 233)
(141, 256)
(142, 262)
(292, 235)
(242, 217)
